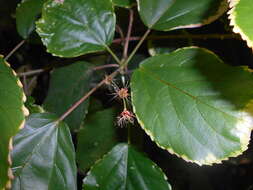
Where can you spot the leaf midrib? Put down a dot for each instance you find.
(141, 69)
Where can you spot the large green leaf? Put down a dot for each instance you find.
(70, 28)
(239, 16)
(192, 104)
(123, 168)
(26, 14)
(124, 3)
(12, 116)
(43, 155)
(67, 85)
(174, 14)
(96, 138)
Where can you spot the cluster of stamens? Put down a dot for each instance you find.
(126, 116)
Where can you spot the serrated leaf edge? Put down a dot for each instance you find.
(26, 113)
(128, 146)
(222, 8)
(236, 29)
(210, 159)
(103, 46)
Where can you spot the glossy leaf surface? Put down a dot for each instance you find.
(26, 14)
(12, 116)
(71, 28)
(97, 137)
(67, 85)
(192, 104)
(174, 14)
(239, 16)
(123, 168)
(44, 155)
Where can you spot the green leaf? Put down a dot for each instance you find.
(67, 85)
(71, 28)
(32, 107)
(123, 3)
(125, 168)
(167, 15)
(195, 106)
(43, 155)
(239, 18)
(26, 14)
(96, 138)
(12, 117)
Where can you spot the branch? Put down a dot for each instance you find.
(79, 102)
(130, 26)
(183, 36)
(14, 50)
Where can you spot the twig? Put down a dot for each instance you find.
(119, 30)
(184, 36)
(34, 72)
(111, 76)
(136, 48)
(129, 31)
(105, 66)
(72, 108)
(14, 50)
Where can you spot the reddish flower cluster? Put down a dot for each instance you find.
(125, 117)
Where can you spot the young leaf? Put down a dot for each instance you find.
(125, 168)
(167, 15)
(67, 85)
(43, 155)
(96, 138)
(71, 28)
(123, 3)
(195, 106)
(239, 18)
(26, 14)
(12, 116)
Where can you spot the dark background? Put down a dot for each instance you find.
(234, 174)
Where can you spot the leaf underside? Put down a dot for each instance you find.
(195, 106)
(26, 14)
(97, 137)
(67, 85)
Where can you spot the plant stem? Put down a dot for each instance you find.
(14, 50)
(105, 66)
(184, 36)
(87, 95)
(113, 55)
(34, 72)
(136, 48)
(119, 30)
(130, 26)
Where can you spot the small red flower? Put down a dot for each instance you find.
(125, 117)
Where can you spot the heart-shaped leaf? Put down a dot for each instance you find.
(97, 137)
(26, 14)
(239, 16)
(167, 15)
(12, 117)
(43, 155)
(67, 85)
(125, 168)
(70, 28)
(192, 104)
